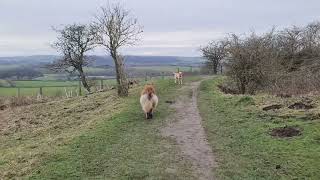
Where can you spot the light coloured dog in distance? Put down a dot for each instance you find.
(178, 77)
(148, 101)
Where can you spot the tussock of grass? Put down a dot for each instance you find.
(243, 146)
(245, 101)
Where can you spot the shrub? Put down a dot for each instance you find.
(285, 61)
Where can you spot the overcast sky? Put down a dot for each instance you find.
(171, 27)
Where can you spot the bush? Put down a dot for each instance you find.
(285, 61)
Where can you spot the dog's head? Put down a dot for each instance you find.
(149, 89)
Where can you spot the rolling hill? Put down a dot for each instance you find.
(107, 60)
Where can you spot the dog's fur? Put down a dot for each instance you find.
(148, 101)
(178, 77)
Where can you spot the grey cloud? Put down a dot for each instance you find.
(165, 21)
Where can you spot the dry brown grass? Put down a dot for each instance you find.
(33, 127)
(297, 83)
(13, 102)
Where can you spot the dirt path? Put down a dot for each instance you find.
(186, 128)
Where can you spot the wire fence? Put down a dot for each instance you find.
(75, 89)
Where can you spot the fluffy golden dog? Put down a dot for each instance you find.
(148, 101)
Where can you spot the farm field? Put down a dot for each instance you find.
(166, 68)
(53, 86)
(50, 88)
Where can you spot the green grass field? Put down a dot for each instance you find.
(240, 138)
(50, 88)
(47, 91)
(165, 68)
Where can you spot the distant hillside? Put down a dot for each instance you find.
(107, 61)
(28, 60)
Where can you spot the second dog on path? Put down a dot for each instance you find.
(149, 101)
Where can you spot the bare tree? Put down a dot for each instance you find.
(290, 41)
(311, 40)
(290, 45)
(117, 28)
(250, 60)
(73, 42)
(214, 53)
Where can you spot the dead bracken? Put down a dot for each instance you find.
(284, 132)
(300, 105)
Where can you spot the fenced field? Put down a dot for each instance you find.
(48, 86)
(56, 88)
(51, 88)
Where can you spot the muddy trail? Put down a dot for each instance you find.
(185, 127)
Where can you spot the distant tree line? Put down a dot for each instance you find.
(285, 60)
(20, 73)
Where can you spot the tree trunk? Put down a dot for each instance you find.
(83, 79)
(123, 88)
(215, 68)
(242, 87)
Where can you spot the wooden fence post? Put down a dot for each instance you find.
(80, 93)
(162, 74)
(40, 91)
(146, 78)
(19, 93)
(101, 84)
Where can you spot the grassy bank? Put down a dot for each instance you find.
(239, 133)
(96, 137)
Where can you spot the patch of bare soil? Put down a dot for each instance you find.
(285, 132)
(170, 102)
(227, 90)
(272, 107)
(3, 107)
(300, 105)
(186, 129)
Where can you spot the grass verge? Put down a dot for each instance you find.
(241, 139)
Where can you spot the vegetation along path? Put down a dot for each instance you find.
(186, 128)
